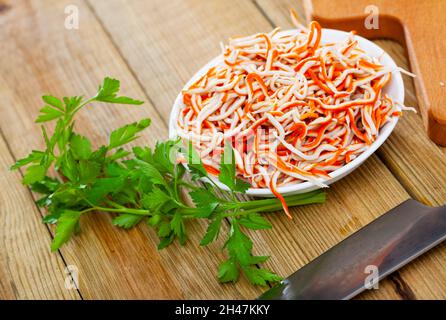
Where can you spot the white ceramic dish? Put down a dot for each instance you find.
(395, 89)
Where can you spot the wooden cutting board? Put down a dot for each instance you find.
(418, 25)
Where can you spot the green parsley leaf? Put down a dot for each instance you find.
(127, 220)
(53, 101)
(105, 186)
(239, 245)
(227, 271)
(34, 174)
(165, 229)
(120, 153)
(228, 173)
(143, 153)
(60, 136)
(115, 169)
(88, 171)
(260, 276)
(154, 220)
(67, 196)
(71, 103)
(127, 133)
(258, 259)
(205, 201)
(164, 156)
(48, 113)
(194, 163)
(255, 221)
(80, 146)
(46, 185)
(66, 226)
(178, 227)
(202, 197)
(166, 241)
(152, 173)
(69, 167)
(51, 218)
(34, 157)
(108, 91)
(154, 199)
(212, 231)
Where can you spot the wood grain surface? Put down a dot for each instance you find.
(153, 47)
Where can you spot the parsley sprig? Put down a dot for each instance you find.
(145, 185)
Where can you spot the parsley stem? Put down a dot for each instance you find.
(79, 107)
(188, 212)
(114, 204)
(316, 196)
(272, 205)
(87, 210)
(122, 210)
(176, 188)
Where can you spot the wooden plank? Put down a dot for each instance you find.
(42, 56)
(416, 161)
(171, 49)
(27, 268)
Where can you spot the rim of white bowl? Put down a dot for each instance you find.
(395, 89)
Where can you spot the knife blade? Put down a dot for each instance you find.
(383, 246)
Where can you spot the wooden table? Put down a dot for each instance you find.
(153, 47)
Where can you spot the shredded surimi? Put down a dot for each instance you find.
(293, 108)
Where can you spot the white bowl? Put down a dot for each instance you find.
(395, 89)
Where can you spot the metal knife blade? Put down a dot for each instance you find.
(387, 243)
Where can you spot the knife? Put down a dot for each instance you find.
(381, 247)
